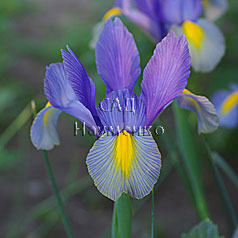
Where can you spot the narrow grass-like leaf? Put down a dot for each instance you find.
(190, 159)
(229, 209)
(15, 126)
(221, 163)
(173, 156)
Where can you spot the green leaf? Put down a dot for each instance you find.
(191, 160)
(205, 229)
(230, 211)
(221, 163)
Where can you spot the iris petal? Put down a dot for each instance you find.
(151, 25)
(230, 118)
(124, 163)
(149, 7)
(214, 8)
(206, 114)
(61, 95)
(43, 131)
(82, 85)
(122, 110)
(166, 74)
(117, 57)
(211, 45)
(123, 4)
(178, 11)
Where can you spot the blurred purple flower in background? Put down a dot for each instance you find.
(226, 103)
(158, 17)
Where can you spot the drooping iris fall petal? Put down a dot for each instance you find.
(44, 135)
(208, 120)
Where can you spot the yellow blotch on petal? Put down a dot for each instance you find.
(48, 104)
(204, 3)
(194, 33)
(192, 100)
(111, 13)
(186, 91)
(47, 113)
(229, 103)
(124, 152)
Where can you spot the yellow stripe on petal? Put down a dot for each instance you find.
(124, 152)
(194, 33)
(229, 103)
(111, 13)
(47, 113)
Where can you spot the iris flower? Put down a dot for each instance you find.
(157, 17)
(125, 157)
(213, 9)
(226, 103)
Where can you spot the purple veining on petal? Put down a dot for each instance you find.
(166, 74)
(117, 57)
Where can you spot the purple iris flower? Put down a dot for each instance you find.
(157, 17)
(226, 103)
(122, 159)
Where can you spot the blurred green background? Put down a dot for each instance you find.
(32, 32)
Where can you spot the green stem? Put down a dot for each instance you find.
(115, 230)
(188, 150)
(222, 188)
(122, 215)
(152, 213)
(58, 197)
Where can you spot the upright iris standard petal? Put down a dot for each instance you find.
(149, 7)
(82, 85)
(117, 57)
(43, 131)
(226, 104)
(147, 15)
(61, 95)
(149, 24)
(97, 29)
(178, 11)
(166, 74)
(123, 4)
(208, 120)
(122, 110)
(124, 163)
(214, 8)
(206, 43)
